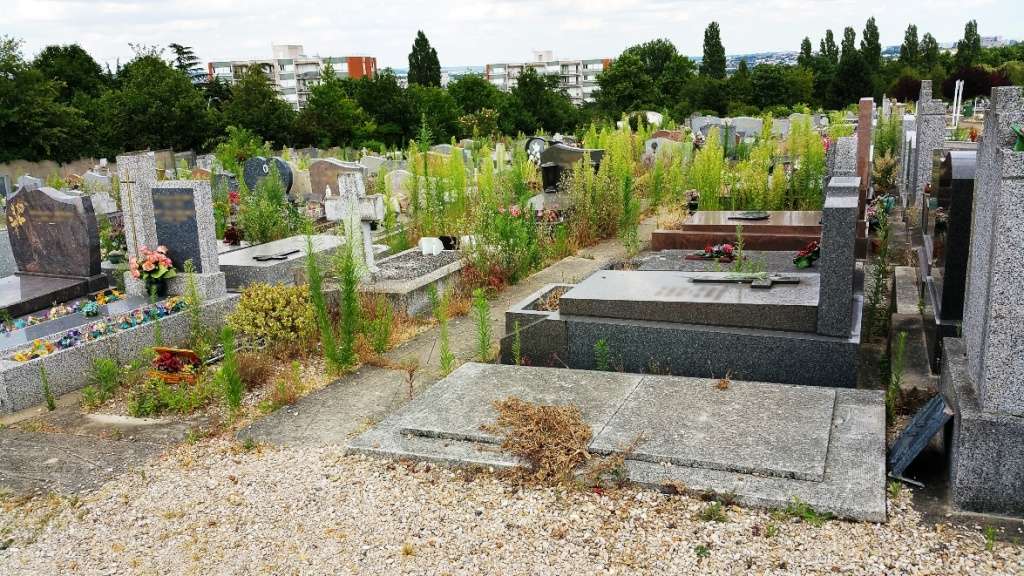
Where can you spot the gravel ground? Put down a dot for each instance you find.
(213, 508)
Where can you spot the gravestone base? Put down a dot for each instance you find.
(405, 279)
(23, 294)
(209, 286)
(242, 270)
(554, 338)
(986, 460)
(69, 369)
(765, 443)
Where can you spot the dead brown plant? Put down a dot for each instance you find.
(551, 440)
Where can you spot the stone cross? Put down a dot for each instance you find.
(355, 206)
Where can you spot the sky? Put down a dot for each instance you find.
(478, 32)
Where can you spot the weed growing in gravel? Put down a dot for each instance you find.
(702, 551)
(286, 390)
(894, 488)
(379, 327)
(199, 334)
(602, 356)
(328, 339)
(347, 267)
(771, 530)
(517, 345)
(51, 404)
(482, 317)
(803, 511)
(229, 378)
(990, 538)
(104, 379)
(892, 391)
(713, 512)
(440, 308)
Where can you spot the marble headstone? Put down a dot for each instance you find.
(53, 233)
(324, 174)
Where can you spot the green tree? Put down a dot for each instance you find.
(331, 117)
(928, 52)
(155, 107)
(968, 48)
(185, 59)
(652, 75)
(390, 107)
(806, 56)
(853, 79)
(473, 93)
(910, 49)
(871, 47)
(424, 67)
(536, 103)
(34, 123)
(828, 49)
(255, 105)
(75, 70)
(741, 87)
(713, 64)
(439, 108)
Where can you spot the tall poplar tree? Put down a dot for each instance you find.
(424, 67)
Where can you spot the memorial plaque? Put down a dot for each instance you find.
(53, 233)
(176, 225)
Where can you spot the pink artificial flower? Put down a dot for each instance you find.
(148, 266)
(515, 211)
(133, 262)
(727, 248)
(135, 273)
(161, 249)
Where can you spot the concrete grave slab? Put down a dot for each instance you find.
(272, 262)
(780, 431)
(467, 408)
(834, 439)
(677, 297)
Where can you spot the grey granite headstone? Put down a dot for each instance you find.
(993, 314)
(373, 163)
(931, 133)
(838, 259)
(103, 203)
(137, 174)
(445, 149)
(176, 225)
(95, 181)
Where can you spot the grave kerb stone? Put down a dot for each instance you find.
(838, 259)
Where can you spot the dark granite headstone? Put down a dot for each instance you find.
(174, 210)
(53, 233)
(551, 174)
(957, 172)
(258, 168)
(5, 185)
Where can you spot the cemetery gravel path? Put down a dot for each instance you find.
(213, 508)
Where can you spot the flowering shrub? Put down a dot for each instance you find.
(152, 265)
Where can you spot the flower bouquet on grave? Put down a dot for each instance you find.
(173, 365)
(154, 268)
(806, 257)
(39, 349)
(723, 253)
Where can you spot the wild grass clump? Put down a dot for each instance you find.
(551, 440)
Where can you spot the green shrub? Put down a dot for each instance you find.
(274, 314)
(104, 380)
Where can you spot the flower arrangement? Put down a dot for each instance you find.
(88, 308)
(173, 366)
(152, 265)
(806, 257)
(101, 328)
(724, 253)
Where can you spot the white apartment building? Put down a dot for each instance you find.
(577, 77)
(292, 72)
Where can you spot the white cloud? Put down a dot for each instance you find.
(475, 32)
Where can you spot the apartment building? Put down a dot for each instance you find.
(577, 77)
(292, 72)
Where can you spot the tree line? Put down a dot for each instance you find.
(62, 105)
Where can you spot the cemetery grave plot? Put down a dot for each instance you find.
(273, 262)
(405, 279)
(765, 443)
(782, 230)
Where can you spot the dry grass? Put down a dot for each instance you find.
(551, 440)
(549, 302)
(256, 369)
(671, 218)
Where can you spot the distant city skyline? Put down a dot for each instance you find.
(477, 32)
